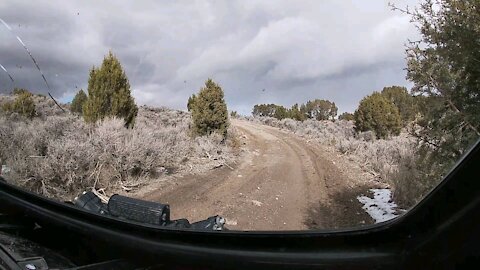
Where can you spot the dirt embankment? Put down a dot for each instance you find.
(281, 183)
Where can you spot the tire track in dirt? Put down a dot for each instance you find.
(274, 187)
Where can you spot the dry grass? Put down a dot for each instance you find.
(390, 161)
(58, 155)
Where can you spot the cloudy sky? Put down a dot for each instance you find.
(280, 52)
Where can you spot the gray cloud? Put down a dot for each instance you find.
(340, 50)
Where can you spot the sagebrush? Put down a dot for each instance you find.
(23, 105)
(59, 156)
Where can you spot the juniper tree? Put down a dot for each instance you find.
(191, 102)
(109, 93)
(210, 112)
(378, 114)
(320, 109)
(403, 100)
(444, 66)
(346, 116)
(78, 101)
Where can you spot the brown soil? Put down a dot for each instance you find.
(282, 183)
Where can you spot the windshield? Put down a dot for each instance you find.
(274, 116)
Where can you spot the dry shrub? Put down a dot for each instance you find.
(6, 98)
(233, 139)
(216, 147)
(44, 106)
(59, 156)
(407, 189)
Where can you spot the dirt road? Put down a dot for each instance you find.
(281, 183)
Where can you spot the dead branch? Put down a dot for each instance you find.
(98, 175)
(221, 165)
(127, 189)
(217, 166)
(44, 189)
(132, 185)
(230, 167)
(395, 8)
(450, 103)
(453, 107)
(425, 140)
(94, 170)
(102, 197)
(102, 190)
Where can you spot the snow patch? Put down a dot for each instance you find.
(381, 207)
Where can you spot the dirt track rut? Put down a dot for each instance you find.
(276, 186)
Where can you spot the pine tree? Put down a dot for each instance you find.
(109, 93)
(210, 112)
(78, 101)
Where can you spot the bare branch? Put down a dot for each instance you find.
(454, 108)
(395, 8)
